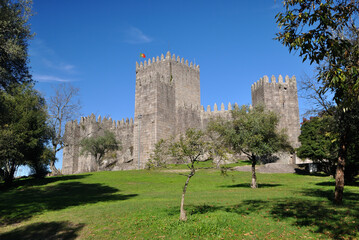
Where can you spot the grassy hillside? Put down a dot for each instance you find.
(145, 205)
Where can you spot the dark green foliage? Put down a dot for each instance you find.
(23, 129)
(99, 146)
(326, 32)
(319, 142)
(14, 37)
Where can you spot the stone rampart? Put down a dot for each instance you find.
(167, 102)
(74, 162)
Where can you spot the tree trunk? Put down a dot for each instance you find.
(254, 177)
(9, 175)
(54, 171)
(183, 215)
(339, 175)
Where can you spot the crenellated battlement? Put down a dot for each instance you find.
(216, 109)
(273, 82)
(108, 122)
(159, 60)
(280, 95)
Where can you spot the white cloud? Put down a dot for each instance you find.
(40, 52)
(136, 36)
(68, 68)
(49, 78)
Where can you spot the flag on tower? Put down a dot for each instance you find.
(142, 55)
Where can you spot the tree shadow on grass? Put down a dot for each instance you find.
(29, 182)
(307, 173)
(247, 185)
(44, 230)
(335, 222)
(244, 208)
(329, 194)
(332, 184)
(19, 205)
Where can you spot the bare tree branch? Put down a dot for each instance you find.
(62, 107)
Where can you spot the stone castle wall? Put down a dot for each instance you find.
(167, 102)
(74, 162)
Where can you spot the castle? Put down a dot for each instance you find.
(167, 102)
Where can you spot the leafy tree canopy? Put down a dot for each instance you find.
(14, 36)
(23, 129)
(325, 32)
(99, 146)
(252, 131)
(318, 139)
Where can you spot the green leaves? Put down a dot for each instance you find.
(318, 139)
(252, 131)
(99, 146)
(190, 147)
(14, 36)
(23, 129)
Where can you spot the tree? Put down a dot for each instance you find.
(190, 149)
(62, 107)
(100, 146)
(160, 155)
(319, 141)
(252, 131)
(23, 129)
(325, 32)
(14, 36)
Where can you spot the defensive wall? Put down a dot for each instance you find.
(167, 102)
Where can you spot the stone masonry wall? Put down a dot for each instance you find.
(167, 99)
(74, 162)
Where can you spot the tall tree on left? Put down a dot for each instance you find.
(24, 133)
(14, 36)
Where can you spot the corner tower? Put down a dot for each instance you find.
(162, 84)
(280, 97)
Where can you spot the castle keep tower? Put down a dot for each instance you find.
(281, 98)
(163, 86)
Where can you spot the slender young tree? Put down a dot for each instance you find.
(63, 106)
(190, 149)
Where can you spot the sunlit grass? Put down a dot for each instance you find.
(208, 164)
(145, 205)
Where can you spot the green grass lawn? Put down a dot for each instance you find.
(145, 205)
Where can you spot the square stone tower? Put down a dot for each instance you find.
(163, 87)
(281, 98)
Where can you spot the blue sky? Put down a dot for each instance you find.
(94, 45)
